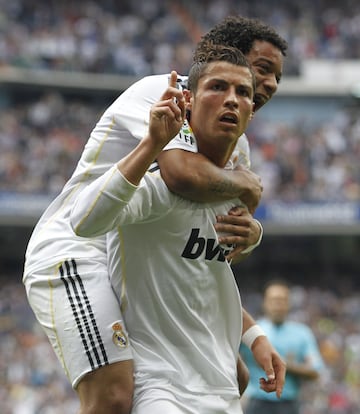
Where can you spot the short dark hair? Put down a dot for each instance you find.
(211, 52)
(241, 32)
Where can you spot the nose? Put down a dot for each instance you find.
(231, 98)
(270, 84)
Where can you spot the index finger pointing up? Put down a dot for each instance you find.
(173, 78)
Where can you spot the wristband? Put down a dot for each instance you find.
(254, 246)
(251, 334)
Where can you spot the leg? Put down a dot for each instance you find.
(78, 309)
(107, 390)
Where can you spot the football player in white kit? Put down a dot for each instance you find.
(183, 311)
(66, 276)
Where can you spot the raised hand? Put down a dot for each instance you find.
(168, 114)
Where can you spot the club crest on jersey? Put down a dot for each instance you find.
(119, 337)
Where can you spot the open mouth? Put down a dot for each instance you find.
(229, 118)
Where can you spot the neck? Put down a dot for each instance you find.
(219, 153)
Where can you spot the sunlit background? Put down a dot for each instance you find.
(63, 62)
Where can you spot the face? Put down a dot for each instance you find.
(221, 108)
(266, 61)
(276, 303)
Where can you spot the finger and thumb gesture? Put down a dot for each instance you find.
(168, 114)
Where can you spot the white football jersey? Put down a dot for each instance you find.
(184, 314)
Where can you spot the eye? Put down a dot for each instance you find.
(217, 87)
(263, 69)
(243, 92)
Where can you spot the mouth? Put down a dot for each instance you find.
(229, 118)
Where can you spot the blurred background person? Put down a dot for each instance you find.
(297, 345)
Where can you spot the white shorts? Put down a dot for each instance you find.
(171, 400)
(79, 311)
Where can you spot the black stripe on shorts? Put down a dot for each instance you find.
(83, 315)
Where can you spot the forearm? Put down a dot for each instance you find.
(97, 207)
(193, 176)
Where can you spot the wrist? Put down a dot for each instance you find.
(249, 249)
(249, 336)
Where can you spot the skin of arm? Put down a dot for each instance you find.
(193, 176)
(267, 358)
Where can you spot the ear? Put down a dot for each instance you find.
(188, 99)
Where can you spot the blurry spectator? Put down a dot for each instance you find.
(296, 344)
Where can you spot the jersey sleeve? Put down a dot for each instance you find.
(111, 201)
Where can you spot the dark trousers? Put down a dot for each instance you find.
(271, 407)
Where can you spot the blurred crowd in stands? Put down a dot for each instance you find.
(32, 382)
(141, 37)
(41, 141)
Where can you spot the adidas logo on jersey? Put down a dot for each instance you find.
(196, 245)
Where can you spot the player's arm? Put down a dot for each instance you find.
(195, 177)
(98, 207)
(265, 355)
